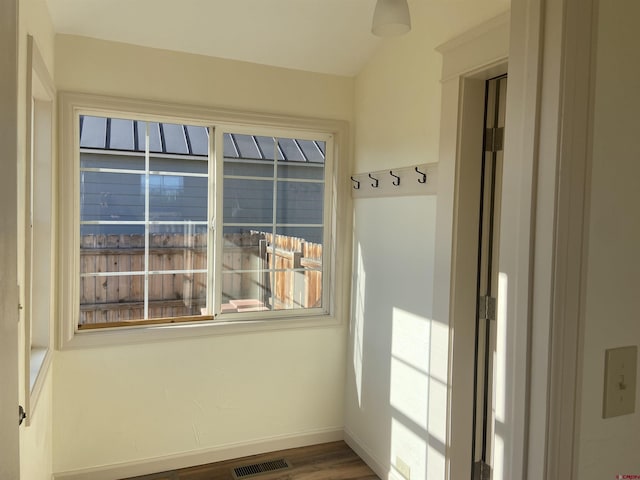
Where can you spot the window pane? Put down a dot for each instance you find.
(244, 168)
(111, 196)
(302, 171)
(121, 134)
(98, 311)
(246, 146)
(313, 150)
(261, 274)
(175, 197)
(131, 267)
(291, 150)
(244, 278)
(93, 132)
(155, 138)
(307, 234)
(97, 159)
(175, 140)
(300, 202)
(198, 140)
(177, 248)
(178, 165)
(267, 147)
(295, 278)
(248, 201)
(177, 296)
(103, 295)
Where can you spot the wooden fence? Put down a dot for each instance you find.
(296, 271)
(258, 271)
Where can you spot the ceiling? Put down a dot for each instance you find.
(326, 36)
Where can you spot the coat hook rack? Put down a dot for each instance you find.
(377, 181)
(396, 181)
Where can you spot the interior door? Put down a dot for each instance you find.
(487, 281)
(9, 436)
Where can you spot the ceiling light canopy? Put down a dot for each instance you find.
(391, 18)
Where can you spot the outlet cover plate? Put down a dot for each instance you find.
(620, 366)
(403, 468)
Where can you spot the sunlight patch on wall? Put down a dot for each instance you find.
(436, 464)
(418, 395)
(410, 339)
(409, 381)
(358, 321)
(500, 379)
(500, 361)
(437, 425)
(408, 447)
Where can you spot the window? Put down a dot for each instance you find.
(144, 229)
(38, 226)
(195, 222)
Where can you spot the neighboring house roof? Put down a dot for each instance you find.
(166, 138)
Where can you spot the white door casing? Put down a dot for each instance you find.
(9, 433)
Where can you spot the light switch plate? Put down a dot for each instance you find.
(620, 366)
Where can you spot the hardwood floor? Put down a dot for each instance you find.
(328, 461)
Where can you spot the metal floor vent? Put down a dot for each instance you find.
(260, 468)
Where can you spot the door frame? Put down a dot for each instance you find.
(549, 122)
(9, 393)
(468, 62)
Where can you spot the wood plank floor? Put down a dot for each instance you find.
(328, 461)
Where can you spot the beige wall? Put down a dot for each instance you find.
(609, 447)
(136, 403)
(36, 439)
(98, 66)
(397, 366)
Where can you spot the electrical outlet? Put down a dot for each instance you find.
(620, 381)
(403, 468)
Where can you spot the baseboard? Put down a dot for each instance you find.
(384, 472)
(200, 457)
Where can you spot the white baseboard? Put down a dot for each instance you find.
(384, 472)
(200, 457)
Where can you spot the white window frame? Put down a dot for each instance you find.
(220, 130)
(39, 227)
(336, 221)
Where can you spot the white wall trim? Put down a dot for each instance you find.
(571, 237)
(201, 457)
(468, 61)
(477, 49)
(357, 445)
(9, 295)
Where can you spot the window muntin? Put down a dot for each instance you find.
(156, 194)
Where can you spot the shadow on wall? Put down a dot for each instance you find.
(396, 399)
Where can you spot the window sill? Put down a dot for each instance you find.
(39, 362)
(158, 333)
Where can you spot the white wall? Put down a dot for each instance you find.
(397, 365)
(36, 439)
(133, 404)
(609, 447)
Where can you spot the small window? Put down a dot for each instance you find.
(39, 227)
(173, 230)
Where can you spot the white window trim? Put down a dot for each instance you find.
(336, 216)
(37, 355)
